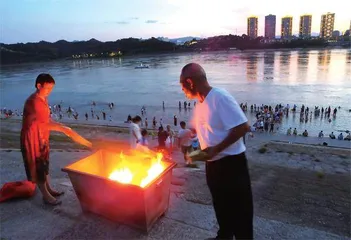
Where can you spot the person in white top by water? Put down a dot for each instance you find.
(135, 133)
(220, 125)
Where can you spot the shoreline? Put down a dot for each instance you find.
(123, 128)
(192, 51)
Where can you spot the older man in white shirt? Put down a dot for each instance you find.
(221, 124)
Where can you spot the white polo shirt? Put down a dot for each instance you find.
(134, 129)
(215, 117)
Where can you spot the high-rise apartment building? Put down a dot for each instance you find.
(252, 26)
(305, 26)
(286, 30)
(269, 26)
(327, 25)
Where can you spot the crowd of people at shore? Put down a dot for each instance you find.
(168, 139)
(268, 118)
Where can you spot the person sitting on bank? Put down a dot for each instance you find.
(305, 133)
(320, 135)
(288, 132)
(35, 133)
(341, 136)
(295, 132)
(332, 136)
(348, 137)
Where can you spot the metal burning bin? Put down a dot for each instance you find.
(124, 203)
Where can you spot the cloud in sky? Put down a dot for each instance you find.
(119, 22)
(151, 21)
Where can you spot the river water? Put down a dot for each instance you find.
(311, 77)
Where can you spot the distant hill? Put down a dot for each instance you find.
(178, 41)
(62, 49)
(182, 40)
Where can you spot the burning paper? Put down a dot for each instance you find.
(138, 168)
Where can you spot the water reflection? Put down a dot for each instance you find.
(348, 64)
(285, 58)
(284, 65)
(302, 64)
(251, 67)
(324, 58)
(302, 58)
(268, 63)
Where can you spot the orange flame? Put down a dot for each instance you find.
(139, 169)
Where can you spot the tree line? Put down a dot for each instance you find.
(46, 51)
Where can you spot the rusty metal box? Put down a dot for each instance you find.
(123, 203)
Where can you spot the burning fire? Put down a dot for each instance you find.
(140, 169)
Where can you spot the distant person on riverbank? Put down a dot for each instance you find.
(184, 136)
(295, 132)
(161, 138)
(271, 129)
(305, 133)
(146, 123)
(154, 122)
(143, 140)
(170, 138)
(341, 136)
(288, 132)
(320, 135)
(194, 140)
(348, 137)
(134, 132)
(175, 120)
(129, 119)
(35, 133)
(332, 136)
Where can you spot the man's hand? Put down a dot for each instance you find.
(211, 152)
(77, 138)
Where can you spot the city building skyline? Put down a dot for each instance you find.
(305, 26)
(269, 26)
(252, 26)
(327, 25)
(286, 27)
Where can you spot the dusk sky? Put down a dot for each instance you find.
(109, 20)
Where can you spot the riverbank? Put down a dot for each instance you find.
(301, 191)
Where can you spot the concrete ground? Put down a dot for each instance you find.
(290, 203)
